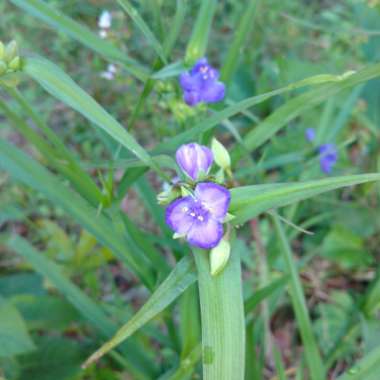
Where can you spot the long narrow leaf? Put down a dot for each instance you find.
(87, 307)
(141, 24)
(197, 45)
(222, 315)
(367, 368)
(249, 201)
(81, 33)
(60, 85)
(313, 357)
(283, 115)
(175, 284)
(26, 170)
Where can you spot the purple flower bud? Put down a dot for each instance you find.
(310, 134)
(201, 84)
(194, 159)
(328, 156)
(199, 218)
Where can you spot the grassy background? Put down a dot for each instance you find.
(290, 40)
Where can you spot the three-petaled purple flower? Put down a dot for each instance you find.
(199, 217)
(328, 156)
(194, 159)
(201, 84)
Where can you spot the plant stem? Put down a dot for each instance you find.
(222, 316)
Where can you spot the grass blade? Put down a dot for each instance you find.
(61, 86)
(56, 154)
(249, 201)
(145, 30)
(26, 170)
(293, 108)
(245, 25)
(282, 115)
(222, 315)
(367, 368)
(313, 358)
(81, 33)
(181, 277)
(88, 308)
(197, 45)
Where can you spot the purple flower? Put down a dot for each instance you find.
(194, 159)
(310, 134)
(328, 156)
(199, 217)
(201, 84)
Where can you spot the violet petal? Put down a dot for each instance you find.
(205, 235)
(215, 198)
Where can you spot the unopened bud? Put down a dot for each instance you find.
(219, 257)
(3, 67)
(10, 51)
(2, 50)
(167, 196)
(15, 64)
(221, 155)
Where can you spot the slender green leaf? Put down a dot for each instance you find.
(293, 108)
(14, 337)
(88, 308)
(26, 170)
(58, 21)
(313, 358)
(141, 24)
(175, 284)
(56, 157)
(197, 45)
(249, 201)
(222, 316)
(187, 364)
(263, 292)
(243, 28)
(61, 86)
(282, 116)
(367, 368)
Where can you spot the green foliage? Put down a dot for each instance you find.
(88, 266)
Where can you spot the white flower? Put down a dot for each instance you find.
(103, 33)
(105, 20)
(110, 73)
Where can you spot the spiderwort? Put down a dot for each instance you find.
(328, 156)
(194, 159)
(310, 134)
(199, 217)
(110, 73)
(201, 84)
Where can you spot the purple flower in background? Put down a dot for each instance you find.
(201, 84)
(199, 217)
(328, 156)
(194, 159)
(310, 134)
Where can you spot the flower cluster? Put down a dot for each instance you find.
(328, 154)
(201, 84)
(198, 216)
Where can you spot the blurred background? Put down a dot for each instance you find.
(44, 337)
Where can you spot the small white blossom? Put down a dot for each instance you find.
(109, 74)
(105, 20)
(103, 33)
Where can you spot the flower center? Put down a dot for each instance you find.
(197, 211)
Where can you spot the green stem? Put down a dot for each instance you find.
(222, 316)
(312, 354)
